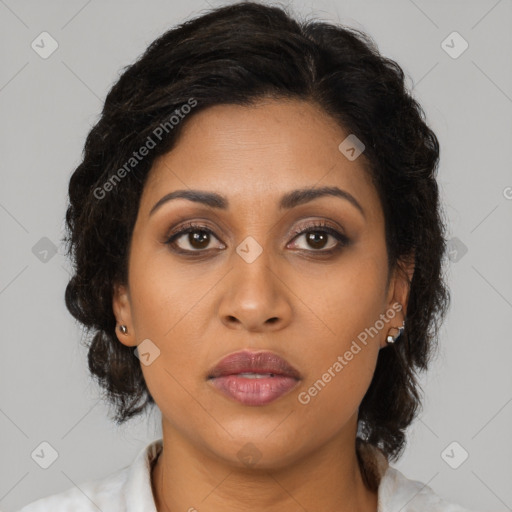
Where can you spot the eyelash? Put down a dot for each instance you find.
(319, 226)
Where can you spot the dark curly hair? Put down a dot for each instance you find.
(238, 54)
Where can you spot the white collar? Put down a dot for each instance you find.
(396, 492)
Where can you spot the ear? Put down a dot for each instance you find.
(398, 293)
(122, 311)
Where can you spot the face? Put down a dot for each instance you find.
(306, 280)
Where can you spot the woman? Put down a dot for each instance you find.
(258, 246)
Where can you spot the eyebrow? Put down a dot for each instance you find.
(287, 201)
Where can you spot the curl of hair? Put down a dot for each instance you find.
(239, 54)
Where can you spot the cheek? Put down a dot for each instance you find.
(346, 299)
(169, 307)
(163, 294)
(343, 352)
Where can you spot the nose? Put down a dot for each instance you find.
(256, 297)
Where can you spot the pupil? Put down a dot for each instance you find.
(316, 239)
(198, 239)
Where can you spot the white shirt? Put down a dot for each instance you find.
(129, 490)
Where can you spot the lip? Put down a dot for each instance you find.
(226, 378)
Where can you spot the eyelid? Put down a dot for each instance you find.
(303, 228)
(193, 225)
(317, 224)
(323, 226)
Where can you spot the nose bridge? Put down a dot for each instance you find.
(256, 297)
(253, 271)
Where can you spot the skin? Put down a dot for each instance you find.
(198, 310)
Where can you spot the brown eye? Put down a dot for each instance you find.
(317, 239)
(195, 238)
(317, 236)
(192, 238)
(198, 239)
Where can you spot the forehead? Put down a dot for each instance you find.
(257, 153)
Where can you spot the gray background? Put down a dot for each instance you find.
(47, 107)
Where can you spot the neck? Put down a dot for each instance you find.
(185, 478)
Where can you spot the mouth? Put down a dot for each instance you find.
(254, 378)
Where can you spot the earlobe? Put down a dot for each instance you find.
(122, 311)
(398, 299)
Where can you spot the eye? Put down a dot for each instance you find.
(316, 236)
(198, 238)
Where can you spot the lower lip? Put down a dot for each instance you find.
(254, 391)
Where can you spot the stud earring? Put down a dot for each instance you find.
(391, 338)
(123, 329)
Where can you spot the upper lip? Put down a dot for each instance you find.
(253, 362)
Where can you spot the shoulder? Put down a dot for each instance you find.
(396, 492)
(126, 490)
(89, 496)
